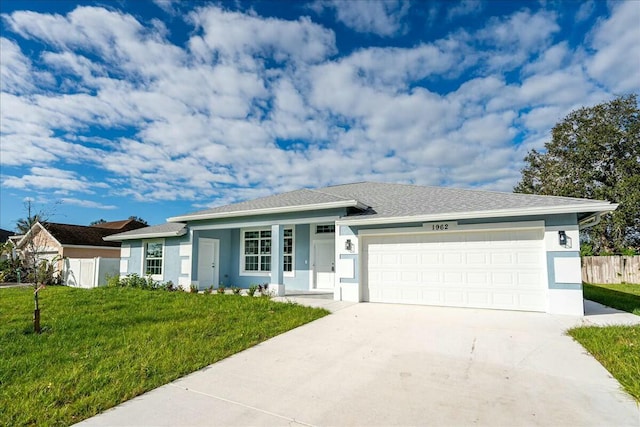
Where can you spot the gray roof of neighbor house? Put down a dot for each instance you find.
(369, 202)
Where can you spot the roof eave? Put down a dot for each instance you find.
(116, 238)
(497, 213)
(266, 211)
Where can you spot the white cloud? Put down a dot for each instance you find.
(381, 17)
(551, 59)
(463, 8)
(90, 204)
(244, 39)
(48, 178)
(167, 5)
(251, 105)
(617, 51)
(585, 11)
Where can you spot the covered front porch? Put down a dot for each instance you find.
(286, 255)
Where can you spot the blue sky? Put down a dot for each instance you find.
(158, 108)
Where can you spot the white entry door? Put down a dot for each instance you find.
(208, 262)
(323, 264)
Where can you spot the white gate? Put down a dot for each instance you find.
(89, 272)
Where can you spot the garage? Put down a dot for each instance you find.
(496, 268)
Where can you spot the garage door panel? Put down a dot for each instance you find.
(488, 269)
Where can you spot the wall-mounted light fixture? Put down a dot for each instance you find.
(348, 245)
(562, 238)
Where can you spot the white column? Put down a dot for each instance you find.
(277, 260)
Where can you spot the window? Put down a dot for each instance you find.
(153, 258)
(325, 229)
(257, 250)
(288, 250)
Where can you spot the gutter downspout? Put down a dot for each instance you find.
(590, 222)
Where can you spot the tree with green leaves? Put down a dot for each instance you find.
(24, 224)
(137, 218)
(594, 153)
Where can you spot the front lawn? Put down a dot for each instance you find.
(617, 348)
(624, 296)
(101, 347)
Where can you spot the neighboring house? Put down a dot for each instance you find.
(65, 242)
(5, 234)
(4, 237)
(381, 243)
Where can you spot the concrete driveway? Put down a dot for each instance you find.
(384, 364)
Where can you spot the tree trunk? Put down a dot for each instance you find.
(36, 313)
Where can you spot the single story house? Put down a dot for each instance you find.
(380, 242)
(52, 239)
(69, 243)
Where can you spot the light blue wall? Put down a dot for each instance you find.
(225, 268)
(135, 260)
(171, 263)
(230, 276)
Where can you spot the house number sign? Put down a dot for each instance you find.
(440, 226)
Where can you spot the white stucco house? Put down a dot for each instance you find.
(379, 242)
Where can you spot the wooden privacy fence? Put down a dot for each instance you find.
(611, 269)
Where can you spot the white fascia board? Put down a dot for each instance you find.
(42, 228)
(115, 238)
(258, 224)
(266, 211)
(498, 213)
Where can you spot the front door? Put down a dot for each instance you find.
(323, 264)
(208, 262)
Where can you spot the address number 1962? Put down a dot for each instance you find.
(439, 227)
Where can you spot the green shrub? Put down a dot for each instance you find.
(220, 289)
(113, 281)
(236, 290)
(252, 290)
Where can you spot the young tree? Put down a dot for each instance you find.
(39, 268)
(594, 153)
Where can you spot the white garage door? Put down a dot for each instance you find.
(486, 269)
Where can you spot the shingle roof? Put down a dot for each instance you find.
(382, 201)
(122, 225)
(401, 200)
(81, 235)
(5, 234)
(162, 230)
(291, 198)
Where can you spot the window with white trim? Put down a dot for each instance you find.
(153, 251)
(256, 251)
(325, 228)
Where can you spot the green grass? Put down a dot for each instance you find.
(624, 296)
(101, 347)
(617, 348)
